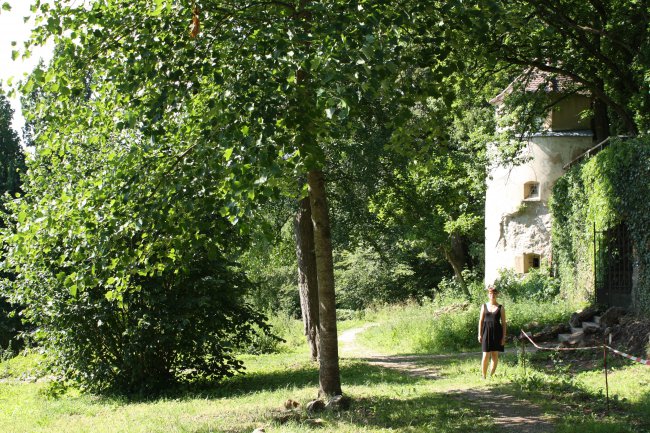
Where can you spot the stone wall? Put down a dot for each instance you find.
(517, 225)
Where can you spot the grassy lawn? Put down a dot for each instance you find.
(384, 400)
(569, 391)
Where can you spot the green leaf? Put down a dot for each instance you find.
(160, 5)
(6, 6)
(227, 154)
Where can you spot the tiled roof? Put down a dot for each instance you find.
(535, 80)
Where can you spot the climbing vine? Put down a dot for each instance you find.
(608, 189)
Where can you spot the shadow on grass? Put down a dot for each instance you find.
(580, 410)
(421, 412)
(302, 375)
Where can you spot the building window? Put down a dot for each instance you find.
(531, 261)
(526, 262)
(531, 191)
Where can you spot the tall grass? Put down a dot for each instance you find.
(450, 325)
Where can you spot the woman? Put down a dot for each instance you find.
(491, 331)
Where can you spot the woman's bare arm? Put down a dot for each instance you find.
(503, 325)
(480, 323)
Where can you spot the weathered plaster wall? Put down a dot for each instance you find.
(515, 226)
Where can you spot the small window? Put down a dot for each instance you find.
(531, 191)
(531, 261)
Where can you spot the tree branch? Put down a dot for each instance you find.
(592, 86)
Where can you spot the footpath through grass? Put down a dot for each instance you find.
(570, 391)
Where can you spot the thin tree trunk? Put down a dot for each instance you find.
(601, 121)
(307, 277)
(329, 374)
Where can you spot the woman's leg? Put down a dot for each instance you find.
(484, 363)
(495, 361)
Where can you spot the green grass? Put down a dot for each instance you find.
(428, 328)
(570, 391)
(383, 400)
(575, 389)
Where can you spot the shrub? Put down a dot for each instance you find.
(122, 266)
(364, 277)
(173, 328)
(535, 285)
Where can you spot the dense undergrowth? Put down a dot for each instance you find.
(432, 327)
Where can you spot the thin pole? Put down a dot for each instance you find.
(523, 353)
(606, 382)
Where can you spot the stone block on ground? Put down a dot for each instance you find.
(585, 315)
(590, 328)
(315, 406)
(550, 333)
(612, 316)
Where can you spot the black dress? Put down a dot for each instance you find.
(492, 331)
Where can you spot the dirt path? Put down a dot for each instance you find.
(509, 413)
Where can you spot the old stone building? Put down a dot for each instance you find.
(517, 216)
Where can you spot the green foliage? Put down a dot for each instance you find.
(434, 193)
(363, 279)
(448, 290)
(10, 326)
(287, 335)
(270, 260)
(121, 264)
(12, 167)
(12, 158)
(536, 285)
(606, 190)
(602, 46)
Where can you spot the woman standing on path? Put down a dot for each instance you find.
(491, 331)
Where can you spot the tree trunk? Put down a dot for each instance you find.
(455, 255)
(601, 117)
(307, 277)
(601, 121)
(329, 375)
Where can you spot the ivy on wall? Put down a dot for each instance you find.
(610, 188)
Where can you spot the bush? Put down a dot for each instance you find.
(121, 265)
(450, 291)
(364, 278)
(173, 328)
(535, 285)
(287, 335)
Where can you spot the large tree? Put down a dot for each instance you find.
(602, 46)
(258, 88)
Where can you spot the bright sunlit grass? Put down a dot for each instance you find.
(383, 399)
